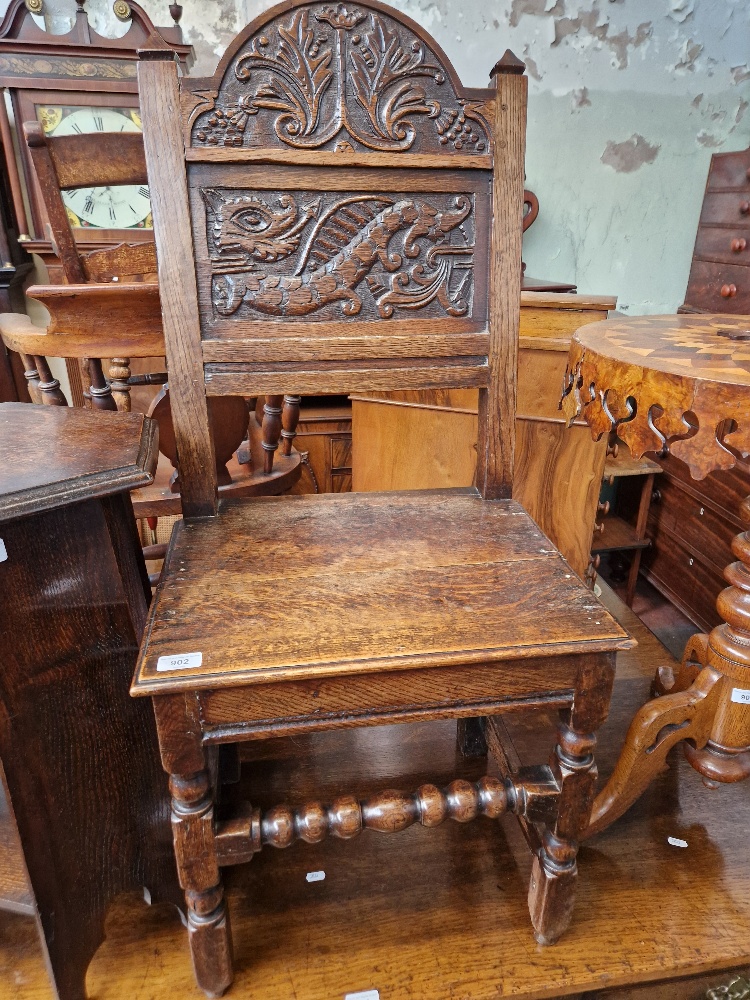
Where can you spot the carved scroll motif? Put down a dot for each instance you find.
(339, 254)
(342, 77)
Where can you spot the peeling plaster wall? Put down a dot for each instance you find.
(628, 99)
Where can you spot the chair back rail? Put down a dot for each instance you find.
(381, 251)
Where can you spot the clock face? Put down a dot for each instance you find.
(121, 207)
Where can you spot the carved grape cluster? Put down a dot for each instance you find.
(453, 127)
(226, 128)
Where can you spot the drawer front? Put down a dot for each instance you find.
(730, 170)
(731, 246)
(341, 482)
(726, 207)
(726, 490)
(341, 453)
(697, 525)
(690, 584)
(719, 287)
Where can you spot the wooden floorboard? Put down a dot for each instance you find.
(441, 914)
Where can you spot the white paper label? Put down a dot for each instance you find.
(180, 661)
(367, 995)
(315, 876)
(3, 551)
(741, 696)
(677, 842)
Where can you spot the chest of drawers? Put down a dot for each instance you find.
(720, 274)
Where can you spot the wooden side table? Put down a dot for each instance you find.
(678, 384)
(80, 756)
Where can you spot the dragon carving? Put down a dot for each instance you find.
(333, 69)
(359, 238)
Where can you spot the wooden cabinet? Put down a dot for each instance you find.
(423, 440)
(325, 433)
(80, 767)
(720, 275)
(691, 526)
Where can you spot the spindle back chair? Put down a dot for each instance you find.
(355, 217)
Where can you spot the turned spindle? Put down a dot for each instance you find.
(385, 812)
(289, 421)
(99, 389)
(726, 755)
(48, 385)
(119, 373)
(32, 377)
(271, 430)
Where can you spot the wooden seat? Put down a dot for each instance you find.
(382, 582)
(355, 217)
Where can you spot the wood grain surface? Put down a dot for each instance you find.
(158, 84)
(82, 469)
(412, 579)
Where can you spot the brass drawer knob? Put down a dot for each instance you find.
(738, 244)
(728, 291)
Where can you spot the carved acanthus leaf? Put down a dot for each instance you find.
(333, 72)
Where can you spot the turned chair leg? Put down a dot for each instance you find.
(200, 877)
(554, 874)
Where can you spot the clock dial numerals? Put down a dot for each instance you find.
(109, 207)
(101, 207)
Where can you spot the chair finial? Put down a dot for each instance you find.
(509, 63)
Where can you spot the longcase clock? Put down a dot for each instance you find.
(77, 82)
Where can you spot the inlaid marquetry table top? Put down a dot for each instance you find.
(666, 383)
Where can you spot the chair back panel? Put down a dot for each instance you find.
(100, 159)
(307, 78)
(348, 213)
(325, 253)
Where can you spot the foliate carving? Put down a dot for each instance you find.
(331, 255)
(343, 77)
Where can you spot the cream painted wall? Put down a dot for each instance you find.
(628, 99)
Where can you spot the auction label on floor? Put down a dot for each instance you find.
(179, 661)
(367, 995)
(741, 696)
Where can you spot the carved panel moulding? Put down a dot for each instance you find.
(345, 78)
(339, 255)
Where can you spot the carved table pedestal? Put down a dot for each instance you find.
(79, 755)
(678, 384)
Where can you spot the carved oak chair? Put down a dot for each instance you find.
(355, 218)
